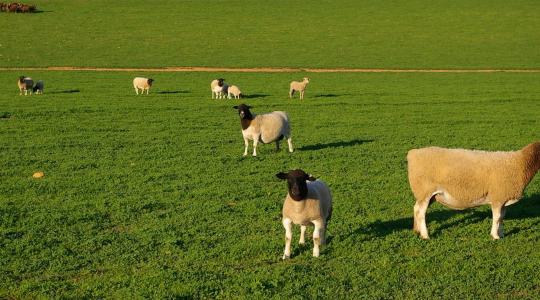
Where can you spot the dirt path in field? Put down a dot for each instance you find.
(271, 70)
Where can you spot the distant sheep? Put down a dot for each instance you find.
(142, 83)
(234, 91)
(219, 88)
(308, 201)
(267, 128)
(25, 84)
(461, 179)
(39, 87)
(298, 86)
(17, 7)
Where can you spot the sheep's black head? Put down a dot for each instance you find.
(296, 181)
(150, 81)
(21, 78)
(243, 111)
(220, 81)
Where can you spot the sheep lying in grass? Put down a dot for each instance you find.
(308, 201)
(25, 84)
(298, 86)
(461, 179)
(267, 128)
(39, 87)
(142, 83)
(235, 91)
(219, 88)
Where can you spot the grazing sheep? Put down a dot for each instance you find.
(142, 84)
(298, 86)
(25, 84)
(267, 128)
(235, 91)
(38, 88)
(308, 201)
(219, 88)
(461, 179)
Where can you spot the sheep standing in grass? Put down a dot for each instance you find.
(298, 86)
(235, 91)
(38, 88)
(141, 83)
(267, 128)
(25, 84)
(308, 201)
(461, 179)
(219, 88)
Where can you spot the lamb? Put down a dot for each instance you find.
(461, 179)
(235, 91)
(25, 84)
(308, 201)
(298, 86)
(219, 88)
(142, 84)
(38, 88)
(267, 128)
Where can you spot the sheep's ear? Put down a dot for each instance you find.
(235, 107)
(282, 175)
(311, 178)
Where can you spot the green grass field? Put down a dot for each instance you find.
(150, 197)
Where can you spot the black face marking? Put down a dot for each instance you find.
(296, 182)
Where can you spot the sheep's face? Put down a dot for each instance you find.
(296, 181)
(306, 80)
(21, 79)
(220, 81)
(243, 111)
(150, 81)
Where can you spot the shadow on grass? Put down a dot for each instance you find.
(66, 92)
(330, 95)
(526, 208)
(335, 144)
(254, 96)
(172, 92)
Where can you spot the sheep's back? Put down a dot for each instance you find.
(273, 125)
(140, 82)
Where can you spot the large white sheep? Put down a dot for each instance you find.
(267, 128)
(461, 179)
(219, 88)
(143, 84)
(25, 84)
(235, 91)
(308, 201)
(298, 86)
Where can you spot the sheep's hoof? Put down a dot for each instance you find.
(301, 243)
(286, 257)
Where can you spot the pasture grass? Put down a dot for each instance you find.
(149, 196)
(243, 33)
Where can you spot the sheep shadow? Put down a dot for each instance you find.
(252, 96)
(329, 95)
(335, 144)
(526, 208)
(66, 92)
(172, 92)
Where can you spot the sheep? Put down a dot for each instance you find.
(308, 201)
(267, 128)
(461, 179)
(142, 84)
(219, 88)
(298, 86)
(235, 91)
(25, 84)
(38, 88)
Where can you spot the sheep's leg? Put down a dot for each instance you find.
(277, 145)
(291, 93)
(317, 237)
(420, 226)
(496, 226)
(501, 225)
(136, 91)
(246, 145)
(255, 142)
(301, 94)
(287, 224)
(289, 141)
(302, 235)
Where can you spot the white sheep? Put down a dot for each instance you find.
(219, 88)
(25, 84)
(460, 179)
(267, 128)
(39, 87)
(143, 84)
(235, 91)
(298, 86)
(308, 201)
